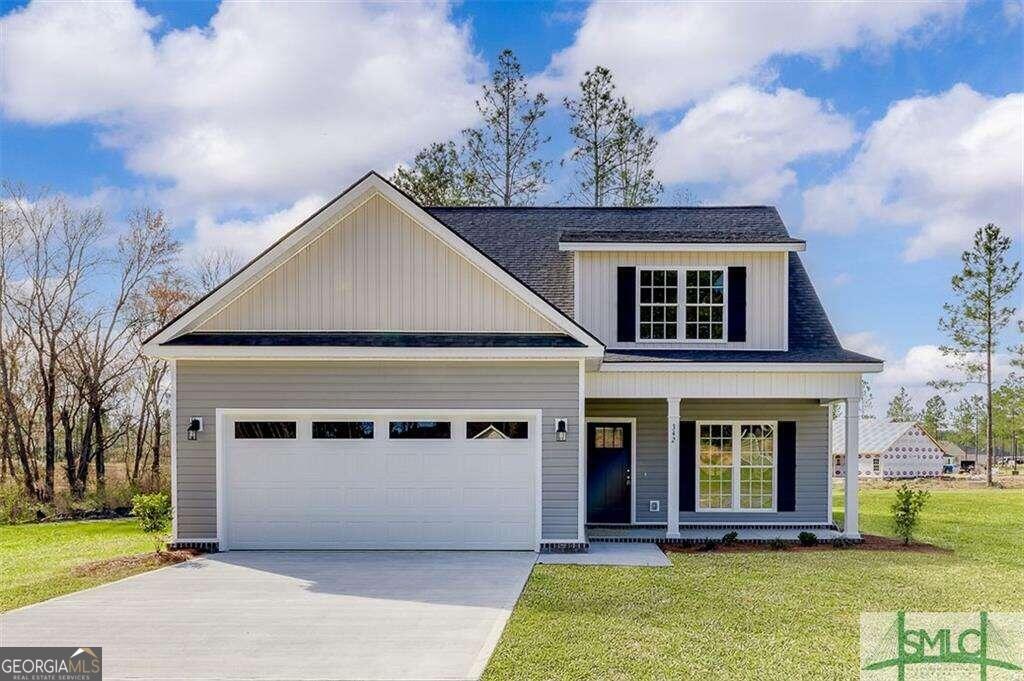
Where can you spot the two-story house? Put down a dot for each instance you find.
(389, 375)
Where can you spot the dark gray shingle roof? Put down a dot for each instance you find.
(361, 339)
(525, 242)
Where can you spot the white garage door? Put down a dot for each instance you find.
(343, 480)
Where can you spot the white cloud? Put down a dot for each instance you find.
(842, 279)
(944, 164)
(865, 342)
(665, 54)
(268, 103)
(913, 370)
(747, 138)
(247, 238)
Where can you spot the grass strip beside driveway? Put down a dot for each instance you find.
(39, 561)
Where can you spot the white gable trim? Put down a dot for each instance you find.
(329, 215)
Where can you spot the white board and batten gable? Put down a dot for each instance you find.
(889, 449)
(372, 261)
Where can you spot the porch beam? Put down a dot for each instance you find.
(672, 507)
(851, 505)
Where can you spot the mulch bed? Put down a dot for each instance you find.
(124, 563)
(871, 542)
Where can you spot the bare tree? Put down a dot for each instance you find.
(107, 349)
(48, 260)
(212, 268)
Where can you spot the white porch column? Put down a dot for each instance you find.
(672, 507)
(850, 518)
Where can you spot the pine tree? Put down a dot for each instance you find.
(613, 153)
(636, 184)
(438, 177)
(900, 407)
(596, 117)
(867, 403)
(867, 400)
(979, 314)
(934, 416)
(502, 155)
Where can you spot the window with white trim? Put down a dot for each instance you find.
(659, 304)
(736, 467)
(705, 305)
(693, 299)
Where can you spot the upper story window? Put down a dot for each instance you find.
(659, 304)
(705, 305)
(701, 306)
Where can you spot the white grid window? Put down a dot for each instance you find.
(736, 467)
(659, 304)
(716, 466)
(705, 305)
(757, 466)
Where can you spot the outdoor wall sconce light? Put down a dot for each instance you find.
(561, 431)
(195, 424)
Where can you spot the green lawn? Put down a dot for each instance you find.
(792, 615)
(37, 560)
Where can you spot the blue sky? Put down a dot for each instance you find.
(884, 132)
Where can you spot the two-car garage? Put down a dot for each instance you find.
(345, 479)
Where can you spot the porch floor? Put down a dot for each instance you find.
(699, 534)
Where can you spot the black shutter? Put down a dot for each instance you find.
(687, 465)
(737, 291)
(626, 327)
(787, 466)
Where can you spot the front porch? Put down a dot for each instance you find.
(700, 534)
(689, 470)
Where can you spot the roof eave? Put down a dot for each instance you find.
(745, 247)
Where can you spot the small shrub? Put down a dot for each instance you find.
(778, 544)
(730, 538)
(16, 506)
(841, 542)
(708, 545)
(906, 511)
(153, 512)
(808, 538)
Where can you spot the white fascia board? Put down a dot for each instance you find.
(335, 211)
(670, 247)
(338, 353)
(753, 367)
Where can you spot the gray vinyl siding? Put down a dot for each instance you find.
(204, 386)
(650, 478)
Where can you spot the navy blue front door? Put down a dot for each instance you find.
(608, 474)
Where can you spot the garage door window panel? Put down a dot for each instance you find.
(420, 430)
(497, 430)
(265, 430)
(342, 430)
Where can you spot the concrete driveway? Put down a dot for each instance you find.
(291, 615)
